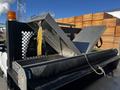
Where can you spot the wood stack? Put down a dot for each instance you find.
(59, 20)
(87, 20)
(111, 36)
(78, 21)
(111, 24)
(117, 37)
(107, 20)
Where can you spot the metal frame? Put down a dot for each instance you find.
(61, 81)
(16, 70)
(57, 38)
(89, 35)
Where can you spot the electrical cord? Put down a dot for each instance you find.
(99, 67)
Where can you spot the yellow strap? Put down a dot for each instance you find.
(39, 42)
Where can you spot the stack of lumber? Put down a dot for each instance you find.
(111, 24)
(111, 36)
(87, 20)
(78, 21)
(117, 37)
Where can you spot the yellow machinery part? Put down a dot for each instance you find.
(39, 42)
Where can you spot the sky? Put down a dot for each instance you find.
(64, 8)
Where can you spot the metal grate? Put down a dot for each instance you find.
(26, 35)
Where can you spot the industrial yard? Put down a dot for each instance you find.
(49, 45)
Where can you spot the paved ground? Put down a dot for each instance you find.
(105, 83)
(3, 85)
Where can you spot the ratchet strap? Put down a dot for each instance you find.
(39, 41)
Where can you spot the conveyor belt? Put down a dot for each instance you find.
(38, 69)
(35, 60)
(55, 82)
